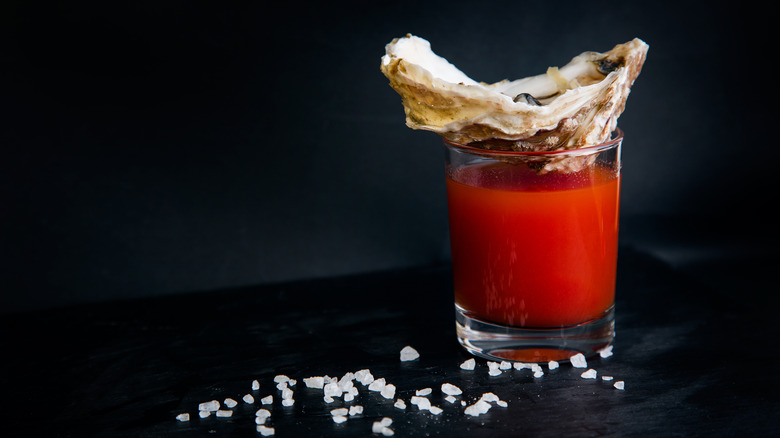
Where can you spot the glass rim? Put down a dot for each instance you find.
(618, 137)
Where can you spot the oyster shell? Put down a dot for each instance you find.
(564, 108)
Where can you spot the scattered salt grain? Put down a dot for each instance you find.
(212, 405)
(422, 403)
(520, 365)
(450, 389)
(478, 408)
(355, 410)
(537, 370)
(229, 402)
(288, 402)
(328, 399)
(620, 385)
(423, 392)
(224, 413)
(468, 364)
(386, 421)
(495, 372)
(377, 385)
(606, 351)
(260, 420)
(255, 385)
(489, 397)
(400, 404)
(504, 365)
(339, 412)
(450, 399)
(332, 390)
(552, 364)
(314, 382)
(287, 394)
(183, 417)
(267, 400)
(265, 430)
(348, 397)
(606, 378)
(502, 403)
(249, 399)
(364, 377)
(435, 410)
(493, 365)
(338, 419)
(292, 382)
(281, 386)
(388, 391)
(408, 353)
(578, 361)
(204, 414)
(281, 378)
(265, 413)
(590, 374)
(463, 402)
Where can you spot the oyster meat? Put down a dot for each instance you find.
(564, 108)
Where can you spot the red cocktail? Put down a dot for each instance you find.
(534, 249)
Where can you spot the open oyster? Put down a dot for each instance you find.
(564, 108)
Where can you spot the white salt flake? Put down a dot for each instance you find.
(328, 399)
(265, 430)
(287, 393)
(355, 410)
(450, 389)
(495, 372)
(338, 419)
(422, 403)
(255, 385)
(224, 413)
(620, 385)
(292, 382)
(332, 390)
(552, 364)
(423, 392)
(260, 420)
(537, 370)
(468, 364)
(229, 402)
(520, 365)
(364, 377)
(450, 398)
(377, 385)
(408, 353)
(212, 405)
(386, 431)
(204, 414)
(502, 403)
(248, 399)
(348, 397)
(267, 400)
(478, 408)
(538, 373)
(281, 386)
(606, 351)
(314, 382)
(489, 397)
(504, 365)
(281, 378)
(606, 378)
(386, 421)
(590, 374)
(265, 413)
(183, 417)
(400, 404)
(288, 402)
(463, 402)
(435, 410)
(493, 365)
(388, 391)
(339, 412)
(578, 361)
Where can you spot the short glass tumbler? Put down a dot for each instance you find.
(534, 238)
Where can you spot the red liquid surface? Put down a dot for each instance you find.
(533, 250)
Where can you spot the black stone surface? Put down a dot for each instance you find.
(695, 362)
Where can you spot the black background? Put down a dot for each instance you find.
(164, 147)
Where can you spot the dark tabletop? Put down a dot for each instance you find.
(695, 362)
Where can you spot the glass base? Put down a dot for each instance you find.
(497, 343)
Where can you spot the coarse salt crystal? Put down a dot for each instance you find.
(338, 419)
(339, 412)
(281, 378)
(364, 377)
(423, 392)
(212, 405)
(332, 390)
(267, 400)
(260, 420)
(502, 403)
(265, 413)
(468, 364)
(606, 351)
(450, 398)
(408, 353)
(463, 402)
(229, 402)
(328, 399)
(265, 430)
(620, 385)
(288, 402)
(590, 374)
(435, 410)
(504, 365)
(400, 404)
(606, 378)
(224, 413)
(281, 386)
(355, 410)
(520, 365)
(388, 391)
(348, 397)
(478, 408)
(578, 361)
(552, 364)
(314, 382)
(422, 403)
(183, 417)
(248, 399)
(377, 385)
(495, 372)
(489, 397)
(204, 414)
(493, 365)
(450, 389)
(292, 382)
(386, 421)
(255, 385)
(287, 393)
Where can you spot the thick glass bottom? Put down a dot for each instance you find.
(497, 343)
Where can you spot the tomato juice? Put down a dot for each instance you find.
(531, 249)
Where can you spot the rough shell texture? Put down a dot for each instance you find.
(565, 108)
